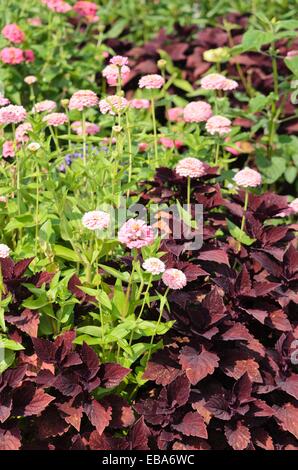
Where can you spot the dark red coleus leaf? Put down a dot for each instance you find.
(238, 435)
(27, 321)
(197, 365)
(138, 436)
(98, 415)
(10, 439)
(112, 374)
(192, 424)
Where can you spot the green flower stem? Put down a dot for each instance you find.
(37, 209)
(143, 305)
(154, 131)
(135, 254)
(129, 151)
(216, 153)
(244, 215)
(162, 304)
(54, 137)
(84, 137)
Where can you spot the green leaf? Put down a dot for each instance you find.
(35, 304)
(272, 169)
(90, 330)
(290, 174)
(292, 64)
(259, 102)
(116, 29)
(183, 85)
(254, 39)
(113, 272)
(6, 359)
(10, 344)
(239, 235)
(66, 253)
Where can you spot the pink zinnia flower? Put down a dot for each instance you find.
(175, 114)
(197, 111)
(174, 278)
(90, 128)
(59, 6)
(170, 143)
(8, 149)
(12, 114)
(143, 146)
(119, 60)
(151, 81)
(4, 251)
(113, 104)
(136, 234)
(3, 199)
(30, 79)
(22, 132)
(154, 266)
(29, 56)
(35, 21)
(191, 167)
(44, 106)
(83, 99)
(96, 220)
(13, 33)
(218, 125)
(12, 55)
(216, 81)
(247, 178)
(55, 119)
(3, 101)
(139, 103)
(87, 9)
(111, 73)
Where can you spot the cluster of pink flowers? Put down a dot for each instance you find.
(197, 111)
(190, 167)
(136, 234)
(218, 125)
(4, 251)
(154, 266)
(21, 134)
(175, 114)
(170, 143)
(174, 278)
(3, 101)
(55, 119)
(138, 103)
(216, 81)
(59, 6)
(87, 10)
(12, 114)
(150, 82)
(8, 149)
(90, 128)
(83, 99)
(15, 56)
(13, 33)
(44, 106)
(113, 104)
(96, 220)
(117, 70)
(248, 178)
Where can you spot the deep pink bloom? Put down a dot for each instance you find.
(247, 178)
(111, 73)
(191, 167)
(113, 104)
(90, 128)
(139, 103)
(13, 33)
(170, 143)
(12, 114)
(8, 149)
(218, 125)
(96, 220)
(44, 106)
(87, 9)
(12, 55)
(4, 251)
(154, 266)
(59, 6)
(119, 60)
(216, 81)
(175, 114)
(143, 146)
(151, 81)
(3, 101)
(174, 278)
(136, 234)
(29, 56)
(197, 111)
(83, 99)
(22, 132)
(55, 119)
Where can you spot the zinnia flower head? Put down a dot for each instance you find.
(44, 106)
(96, 220)
(170, 143)
(35, 21)
(151, 81)
(197, 111)
(87, 9)
(154, 266)
(218, 125)
(90, 128)
(136, 234)
(30, 79)
(191, 167)
(137, 103)
(8, 149)
(216, 81)
(59, 6)
(55, 119)
(12, 114)
(174, 278)
(33, 147)
(143, 146)
(29, 56)
(175, 114)
(3, 101)
(113, 104)
(83, 99)
(12, 55)
(119, 60)
(13, 33)
(248, 178)
(111, 73)
(22, 132)
(4, 251)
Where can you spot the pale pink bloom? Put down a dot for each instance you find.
(175, 114)
(139, 103)
(4, 251)
(35, 21)
(218, 125)
(108, 140)
(170, 143)
(83, 99)
(13, 33)
(111, 73)
(292, 53)
(90, 128)
(119, 60)
(59, 6)
(191, 167)
(12, 55)
(96, 220)
(44, 106)
(136, 234)
(30, 79)
(33, 147)
(55, 119)
(3, 101)
(151, 81)
(197, 111)
(12, 114)
(216, 81)
(3, 199)
(154, 266)
(8, 149)
(143, 146)
(105, 54)
(174, 278)
(113, 104)
(294, 205)
(22, 132)
(29, 56)
(247, 178)
(87, 9)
